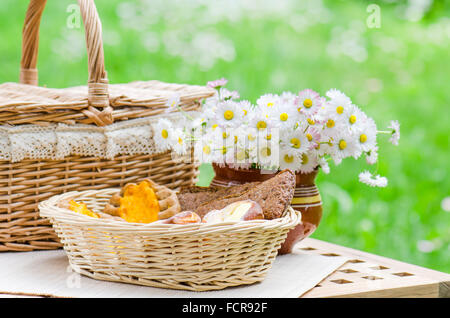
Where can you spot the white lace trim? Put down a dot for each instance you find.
(57, 141)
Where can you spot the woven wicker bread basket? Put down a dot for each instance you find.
(195, 257)
(34, 162)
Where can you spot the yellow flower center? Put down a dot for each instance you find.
(180, 141)
(284, 116)
(245, 112)
(342, 144)
(307, 103)
(207, 150)
(251, 137)
(363, 138)
(352, 119)
(214, 126)
(224, 135)
(265, 152)
(270, 104)
(269, 136)
(309, 137)
(288, 159)
(224, 150)
(305, 159)
(240, 155)
(164, 134)
(235, 139)
(261, 125)
(311, 122)
(228, 115)
(339, 109)
(296, 143)
(299, 109)
(330, 123)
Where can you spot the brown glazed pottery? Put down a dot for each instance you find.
(306, 198)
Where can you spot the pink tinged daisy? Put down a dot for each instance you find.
(225, 94)
(395, 127)
(313, 136)
(309, 162)
(217, 83)
(309, 102)
(374, 181)
(268, 100)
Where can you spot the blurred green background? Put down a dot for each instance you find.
(400, 70)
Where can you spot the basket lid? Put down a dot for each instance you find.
(28, 104)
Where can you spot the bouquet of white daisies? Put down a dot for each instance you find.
(300, 132)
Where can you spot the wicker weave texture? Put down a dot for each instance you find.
(26, 104)
(24, 184)
(196, 257)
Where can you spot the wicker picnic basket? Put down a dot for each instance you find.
(196, 257)
(89, 137)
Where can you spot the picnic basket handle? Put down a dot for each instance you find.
(98, 82)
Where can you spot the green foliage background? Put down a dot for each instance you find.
(403, 74)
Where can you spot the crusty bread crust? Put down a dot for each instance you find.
(191, 198)
(273, 195)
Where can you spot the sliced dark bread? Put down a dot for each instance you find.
(191, 198)
(273, 195)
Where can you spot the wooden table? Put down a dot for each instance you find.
(368, 275)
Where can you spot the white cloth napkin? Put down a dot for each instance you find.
(47, 273)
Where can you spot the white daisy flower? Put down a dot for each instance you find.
(372, 155)
(338, 104)
(260, 119)
(295, 141)
(289, 97)
(284, 116)
(163, 135)
(309, 102)
(246, 108)
(180, 144)
(355, 118)
(288, 160)
(323, 163)
(309, 162)
(172, 102)
(373, 181)
(268, 100)
(395, 126)
(366, 134)
(228, 114)
(204, 148)
(344, 146)
(267, 155)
